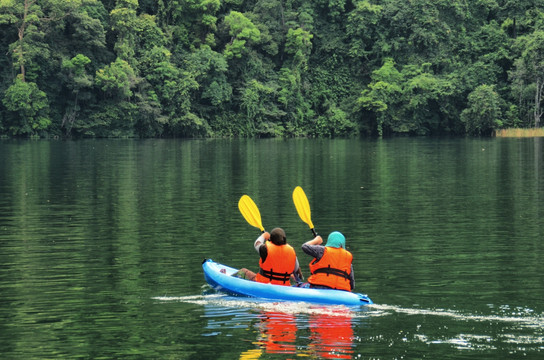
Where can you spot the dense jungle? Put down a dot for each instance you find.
(269, 68)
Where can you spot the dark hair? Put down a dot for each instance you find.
(277, 236)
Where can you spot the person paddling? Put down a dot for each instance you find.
(331, 267)
(278, 260)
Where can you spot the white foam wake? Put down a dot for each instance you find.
(276, 306)
(528, 318)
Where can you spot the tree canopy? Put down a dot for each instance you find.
(269, 68)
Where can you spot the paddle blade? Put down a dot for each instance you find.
(302, 205)
(250, 212)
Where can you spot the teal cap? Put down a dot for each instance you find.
(336, 240)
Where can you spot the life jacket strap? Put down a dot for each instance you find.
(332, 271)
(272, 275)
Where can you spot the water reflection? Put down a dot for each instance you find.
(278, 332)
(282, 328)
(288, 330)
(449, 231)
(332, 336)
(329, 334)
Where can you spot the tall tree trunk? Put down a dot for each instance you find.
(21, 34)
(538, 100)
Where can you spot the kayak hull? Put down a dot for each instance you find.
(219, 277)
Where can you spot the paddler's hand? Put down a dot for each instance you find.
(299, 275)
(261, 240)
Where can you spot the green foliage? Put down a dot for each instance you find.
(76, 65)
(209, 69)
(29, 45)
(299, 44)
(483, 114)
(77, 80)
(263, 116)
(242, 30)
(125, 23)
(528, 75)
(269, 68)
(422, 92)
(335, 123)
(361, 22)
(383, 94)
(190, 22)
(113, 119)
(190, 125)
(116, 79)
(28, 107)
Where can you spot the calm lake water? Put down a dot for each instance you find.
(101, 244)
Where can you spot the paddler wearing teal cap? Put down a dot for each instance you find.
(331, 267)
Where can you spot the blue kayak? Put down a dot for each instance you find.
(219, 277)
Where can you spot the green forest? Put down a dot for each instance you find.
(269, 68)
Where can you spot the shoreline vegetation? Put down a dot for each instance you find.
(264, 69)
(502, 133)
(520, 133)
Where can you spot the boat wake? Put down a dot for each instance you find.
(286, 307)
(517, 330)
(522, 316)
(520, 330)
(526, 318)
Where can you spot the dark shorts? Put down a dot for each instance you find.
(307, 285)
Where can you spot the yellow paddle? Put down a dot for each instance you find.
(250, 212)
(303, 207)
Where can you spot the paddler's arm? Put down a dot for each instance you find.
(352, 279)
(315, 241)
(314, 247)
(260, 245)
(261, 240)
(297, 274)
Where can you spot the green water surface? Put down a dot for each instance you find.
(101, 244)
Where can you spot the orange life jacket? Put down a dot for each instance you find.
(332, 270)
(278, 266)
